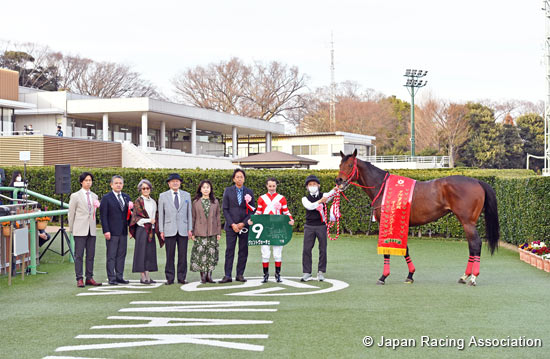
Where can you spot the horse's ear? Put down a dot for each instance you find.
(342, 154)
(355, 153)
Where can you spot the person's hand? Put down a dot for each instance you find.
(323, 200)
(235, 228)
(107, 235)
(250, 222)
(152, 221)
(43, 235)
(291, 222)
(240, 225)
(193, 238)
(162, 235)
(189, 234)
(218, 237)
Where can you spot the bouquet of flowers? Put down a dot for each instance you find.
(43, 219)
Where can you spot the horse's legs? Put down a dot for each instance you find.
(474, 244)
(386, 272)
(411, 268)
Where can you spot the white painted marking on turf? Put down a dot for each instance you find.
(255, 282)
(200, 306)
(160, 339)
(120, 289)
(180, 322)
(56, 357)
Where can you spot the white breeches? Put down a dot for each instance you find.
(277, 253)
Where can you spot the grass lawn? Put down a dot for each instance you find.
(43, 312)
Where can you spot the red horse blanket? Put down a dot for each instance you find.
(394, 217)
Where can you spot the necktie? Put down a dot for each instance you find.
(240, 195)
(176, 200)
(120, 202)
(89, 203)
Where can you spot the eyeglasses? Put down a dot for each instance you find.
(145, 188)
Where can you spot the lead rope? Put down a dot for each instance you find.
(336, 205)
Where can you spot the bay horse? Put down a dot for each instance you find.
(464, 196)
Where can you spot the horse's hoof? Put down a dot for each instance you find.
(472, 283)
(461, 281)
(380, 282)
(409, 281)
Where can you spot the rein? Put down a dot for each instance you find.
(354, 173)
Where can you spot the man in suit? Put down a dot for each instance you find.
(238, 206)
(175, 224)
(114, 220)
(82, 224)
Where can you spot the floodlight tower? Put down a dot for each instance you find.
(412, 83)
(546, 169)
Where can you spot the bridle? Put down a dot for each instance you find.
(355, 172)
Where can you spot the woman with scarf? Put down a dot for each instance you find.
(143, 227)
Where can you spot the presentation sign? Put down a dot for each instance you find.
(269, 229)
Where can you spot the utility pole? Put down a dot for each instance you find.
(412, 83)
(332, 108)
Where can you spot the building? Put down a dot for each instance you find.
(152, 133)
(323, 147)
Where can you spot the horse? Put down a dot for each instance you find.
(464, 196)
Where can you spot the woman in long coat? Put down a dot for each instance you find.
(143, 227)
(206, 231)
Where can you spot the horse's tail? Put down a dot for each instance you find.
(492, 227)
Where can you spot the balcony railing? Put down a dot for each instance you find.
(443, 161)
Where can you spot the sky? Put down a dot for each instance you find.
(472, 49)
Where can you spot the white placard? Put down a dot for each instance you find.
(20, 241)
(24, 155)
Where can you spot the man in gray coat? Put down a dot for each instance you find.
(175, 224)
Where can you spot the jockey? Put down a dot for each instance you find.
(272, 203)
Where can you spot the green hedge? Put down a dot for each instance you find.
(523, 199)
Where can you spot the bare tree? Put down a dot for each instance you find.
(451, 122)
(258, 90)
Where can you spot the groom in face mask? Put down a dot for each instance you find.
(315, 227)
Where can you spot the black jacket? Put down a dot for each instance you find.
(232, 211)
(113, 219)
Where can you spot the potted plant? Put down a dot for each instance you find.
(42, 222)
(537, 254)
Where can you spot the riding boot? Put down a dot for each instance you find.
(209, 277)
(203, 277)
(266, 274)
(278, 273)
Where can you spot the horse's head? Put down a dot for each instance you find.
(348, 170)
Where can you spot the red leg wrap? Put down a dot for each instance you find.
(475, 270)
(277, 264)
(386, 267)
(410, 264)
(469, 266)
(265, 264)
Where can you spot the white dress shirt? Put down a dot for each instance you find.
(151, 208)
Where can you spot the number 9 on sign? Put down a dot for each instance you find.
(258, 228)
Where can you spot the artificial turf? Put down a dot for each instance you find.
(43, 312)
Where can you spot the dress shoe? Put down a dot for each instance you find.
(80, 283)
(144, 281)
(169, 282)
(226, 279)
(113, 282)
(122, 281)
(151, 281)
(183, 281)
(91, 281)
(240, 278)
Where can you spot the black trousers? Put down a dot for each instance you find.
(116, 255)
(310, 233)
(231, 242)
(81, 244)
(170, 243)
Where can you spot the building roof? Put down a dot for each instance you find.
(274, 158)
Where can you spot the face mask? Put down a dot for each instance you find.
(313, 190)
(18, 179)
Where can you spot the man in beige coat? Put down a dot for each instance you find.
(82, 213)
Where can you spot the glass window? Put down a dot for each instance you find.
(296, 150)
(335, 149)
(305, 149)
